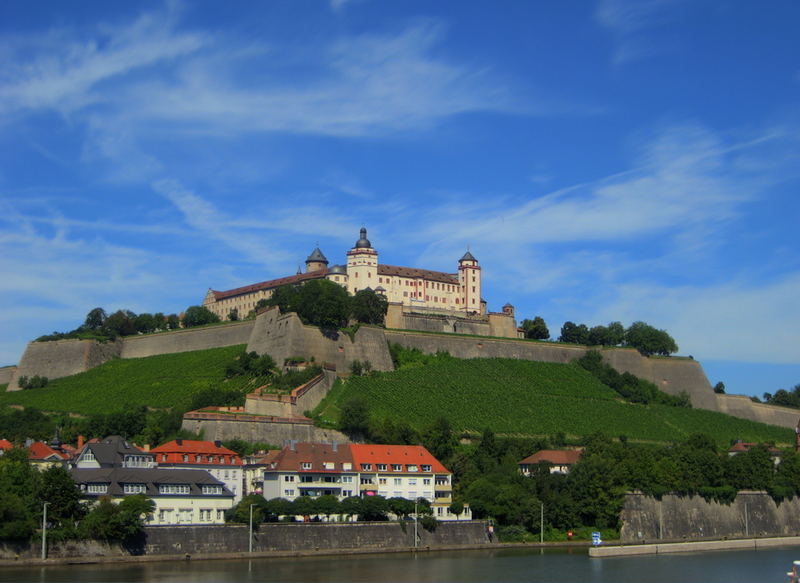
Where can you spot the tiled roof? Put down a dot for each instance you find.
(743, 446)
(175, 452)
(39, 450)
(557, 457)
(5, 445)
(323, 457)
(396, 454)
(413, 272)
(116, 478)
(272, 283)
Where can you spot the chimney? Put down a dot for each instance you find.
(218, 443)
(179, 441)
(81, 442)
(146, 447)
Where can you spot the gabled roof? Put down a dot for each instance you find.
(116, 478)
(175, 452)
(557, 457)
(112, 450)
(39, 450)
(5, 445)
(743, 446)
(396, 454)
(413, 272)
(323, 457)
(270, 284)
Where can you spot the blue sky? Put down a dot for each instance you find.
(603, 161)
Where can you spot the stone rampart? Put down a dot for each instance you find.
(254, 428)
(751, 514)
(401, 317)
(284, 335)
(197, 541)
(6, 373)
(187, 340)
(303, 398)
(742, 406)
(62, 358)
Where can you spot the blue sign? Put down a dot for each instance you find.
(596, 541)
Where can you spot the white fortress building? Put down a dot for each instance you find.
(416, 290)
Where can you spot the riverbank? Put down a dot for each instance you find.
(311, 552)
(693, 547)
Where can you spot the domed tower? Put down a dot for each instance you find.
(362, 265)
(469, 279)
(316, 261)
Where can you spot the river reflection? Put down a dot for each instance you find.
(500, 566)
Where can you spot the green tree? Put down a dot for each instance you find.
(719, 388)
(598, 336)
(198, 316)
(327, 505)
(649, 341)
(440, 440)
(536, 329)
(373, 508)
(400, 507)
(241, 512)
(95, 319)
(323, 303)
(118, 522)
(354, 418)
(456, 507)
(616, 333)
(351, 506)
(368, 307)
(58, 489)
(120, 323)
(572, 333)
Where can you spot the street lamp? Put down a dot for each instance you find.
(44, 531)
(416, 517)
(250, 548)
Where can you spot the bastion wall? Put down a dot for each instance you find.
(255, 428)
(6, 373)
(751, 514)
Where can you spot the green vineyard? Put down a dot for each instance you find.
(165, 380)
(530, 398)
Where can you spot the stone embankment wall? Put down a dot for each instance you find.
(203, 540)
(742, 406)
(303, 398)
(187, 340)
(6, 373)
(752, 514)
(284, 335)
(63, 358)
(401, 317)
(254, 428)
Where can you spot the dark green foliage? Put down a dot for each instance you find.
(120, 323)
(719, 388)
(252, 365)
(65, 507)
(354, 418)
(318, 302)
(117, 522)
(16, 521)
(574, 333)
(400, 507)
(95, 319)
(392, 431)
(630, 387)
(35, 382)
(368, 307)
(784, 398)
(241, 512)
(373, 508)
(198, 316)
(439, 439)
(216, 397)
(535, 329)
(648, 340)
(16, 425)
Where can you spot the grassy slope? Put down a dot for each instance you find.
(157, 381)
(534, 398)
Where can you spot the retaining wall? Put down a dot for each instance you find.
(742, 406)
(187, 340)
(203, 540)
(303, 398)
(258, 429)
(751, 514)
(6, 373)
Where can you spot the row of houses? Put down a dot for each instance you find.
(194, 482)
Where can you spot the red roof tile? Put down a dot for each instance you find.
(41, 451)
(322, 457)
(557, 457)
(174, 453)
(413, 272)
(270, 284)
(396, 454)
(5, 445)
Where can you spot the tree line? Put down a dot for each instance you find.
(639, 335)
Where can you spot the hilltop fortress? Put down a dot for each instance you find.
(428, 310)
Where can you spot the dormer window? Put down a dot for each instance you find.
(397, 467)
(366, 467)
(426, 468)
(411, 467)
(186, 457)
(305, 465)
(381, 467)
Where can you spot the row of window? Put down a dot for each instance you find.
(397, 481)
(220, 459)
(368, 467)
(184, 515)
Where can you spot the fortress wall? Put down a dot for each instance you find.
(6, 373)
(61, 358)
(742, 406)
(752, 514)
(272, 433)
(187, 340)
(282, 406)
(284, 335)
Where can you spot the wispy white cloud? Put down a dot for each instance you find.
(631, 22)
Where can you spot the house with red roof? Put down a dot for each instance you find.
(5, 445)
(42, 456)
(402, 471)
(222, 463)
(559, 460)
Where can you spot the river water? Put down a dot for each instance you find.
(499, 566)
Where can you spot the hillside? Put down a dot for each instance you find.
(157, 381)
(530, 398)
